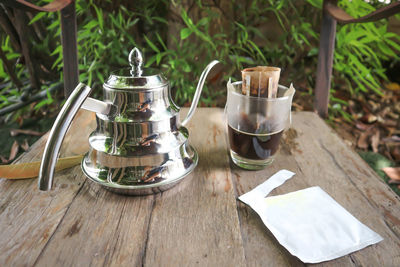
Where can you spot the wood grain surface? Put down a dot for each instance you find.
(28, 217)
(320, 158)
(199, 221)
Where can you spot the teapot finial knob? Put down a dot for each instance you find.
(136, 61)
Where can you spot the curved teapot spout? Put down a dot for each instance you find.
(197, 94)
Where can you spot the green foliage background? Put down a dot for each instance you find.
(181, 37)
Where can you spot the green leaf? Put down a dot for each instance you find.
(41, 104)
(258, 50)
(313, 52)
(91, 24)
(53, 25)
(49, 95)
(158, 58)
(203, 21)
(13, 55)
(393, 44)
(185, 33)
(339, 101)
(191, 26)
(151, 44)
(100, 77)
(162, 20)
(150, 61)
(58, 61)
(4, 98)
(58, 50)
(99, 14)
(161, 41)
(386, 49)
(92, 66)
(186, 67)
(37, 17)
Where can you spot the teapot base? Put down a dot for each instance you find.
(171, 175)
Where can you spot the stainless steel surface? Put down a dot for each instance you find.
(141, 105)
(122, 80)
(57, 133)
(139, 146)
(137, 139)
(136, 78)
(99, 107)
(199, 88)
(136, 62)
(145, 178)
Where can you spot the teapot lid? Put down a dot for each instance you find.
(135, 77)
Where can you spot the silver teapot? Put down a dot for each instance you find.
(139, 146)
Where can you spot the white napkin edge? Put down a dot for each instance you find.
(262, 190)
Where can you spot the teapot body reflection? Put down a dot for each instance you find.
(140, 146)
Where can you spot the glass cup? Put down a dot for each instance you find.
(255, 125)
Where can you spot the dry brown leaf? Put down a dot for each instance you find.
(396, 107)
(362, 126)
(385, 111)
(387, 154)
(375, 141)
(395, 138)
(14, 151)
(25, 145)
(3, 159)
(31, 169)
(298, 107)
(368, 118)
(362, 141)
(391, 181)
(393, 115)
(393, 86)
(389, 123)
(392, 172)
(391, 139)
(374, 106)
(390, 130)
(15, 132)
(396, 153)
(20, 120)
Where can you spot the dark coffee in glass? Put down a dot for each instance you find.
(255, 126)
(253, 146)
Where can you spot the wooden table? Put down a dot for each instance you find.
(198, 222)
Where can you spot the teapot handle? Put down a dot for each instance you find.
(199, 89)
(57, 133)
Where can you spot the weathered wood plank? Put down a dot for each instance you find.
(197, 221)
(29, 217)
(328, 162)
(321, 158)
(100, 228)
(196, 218)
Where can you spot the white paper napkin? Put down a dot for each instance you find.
(308, 223)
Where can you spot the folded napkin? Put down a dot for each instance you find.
(308, 223)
